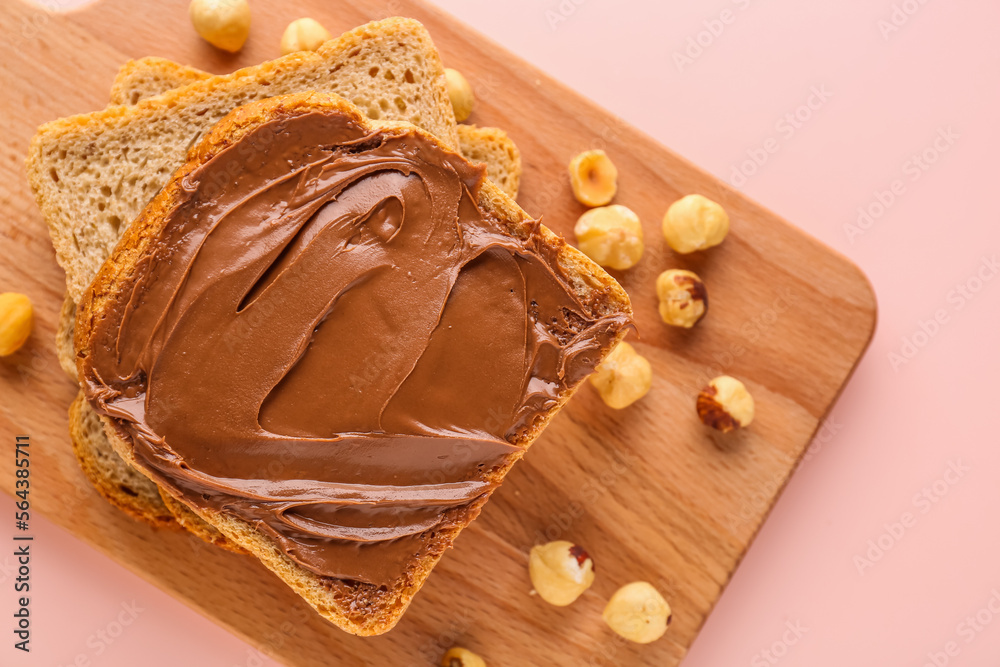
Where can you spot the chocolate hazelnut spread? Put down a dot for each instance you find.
(330, 339)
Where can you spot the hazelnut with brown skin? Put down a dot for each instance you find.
(725, 404)
(683, 298)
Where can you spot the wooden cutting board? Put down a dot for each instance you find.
(649, 491)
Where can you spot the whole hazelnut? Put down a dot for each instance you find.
(560, 572)
(611, 236)
(695, 223)
(222, 23)
(461, 657)
(623, 377)
(683, 297)
(460, 93)
(594, 178)
(16, 316)
(303, 35)
(725, 404)
(638, 613)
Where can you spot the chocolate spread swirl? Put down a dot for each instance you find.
(330, 339)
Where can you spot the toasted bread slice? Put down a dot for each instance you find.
(136, 81)
(87, 214)
(359, 608)
(148, 77)
(92, 174)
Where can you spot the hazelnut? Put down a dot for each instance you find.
(460, 92)
(560, 572)
(623, 377)
(638, 613)
(303, 35)
(695, 223)
(461, 657)
(15, 322)
(222, 23)
(611, 236)
(594, 178)
(683, 297)
(725, 404)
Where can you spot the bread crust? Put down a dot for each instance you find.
(151, 76)
(146, 77)
(122, 486)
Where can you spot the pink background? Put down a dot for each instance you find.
(897, 429)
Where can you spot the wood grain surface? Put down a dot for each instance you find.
(649, 491)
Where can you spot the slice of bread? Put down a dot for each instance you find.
(136, 81)
(148, 77)
(92, 174)
(360, 608)
(87, 213)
